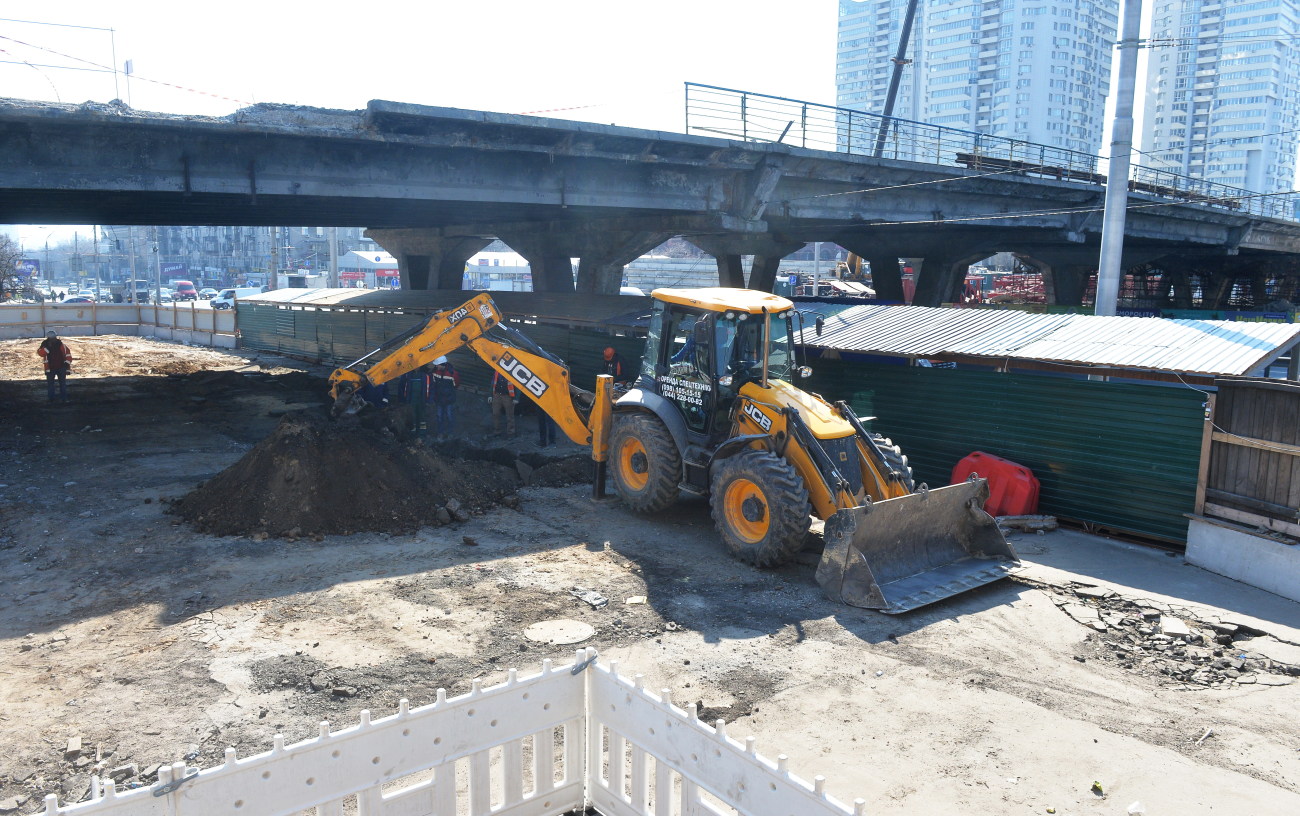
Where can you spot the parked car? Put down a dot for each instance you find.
(184, 291)
(226, 298)
(207, 294)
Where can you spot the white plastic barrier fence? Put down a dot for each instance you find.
(182, 323)
(562, 740)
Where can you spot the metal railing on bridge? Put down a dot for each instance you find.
(733, 114)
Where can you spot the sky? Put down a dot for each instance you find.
(606, 61)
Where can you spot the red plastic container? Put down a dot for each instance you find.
(1013, 488)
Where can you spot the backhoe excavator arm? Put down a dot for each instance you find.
(584, 417)
(440, 334)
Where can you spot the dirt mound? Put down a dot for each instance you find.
(563, 472)
(315, 476)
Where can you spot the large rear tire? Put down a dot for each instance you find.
(760, 507)
(646, 465)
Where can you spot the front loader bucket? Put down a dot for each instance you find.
(900, 554)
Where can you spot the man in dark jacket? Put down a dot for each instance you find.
(415, 388)
(616, 367)
(503, 402)
(445, 381)
(58, 362)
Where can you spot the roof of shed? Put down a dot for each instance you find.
(1207, 347)
(572, 307)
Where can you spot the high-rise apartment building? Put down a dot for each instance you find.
(1223, 87)
(1037, 70)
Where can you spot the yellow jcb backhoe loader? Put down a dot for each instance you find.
(713, 413)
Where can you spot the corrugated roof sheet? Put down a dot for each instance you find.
(1209, 347)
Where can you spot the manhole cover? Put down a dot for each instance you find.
(559, 631)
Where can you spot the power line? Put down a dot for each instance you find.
(112, 70)
(60, 67)
(55, 25)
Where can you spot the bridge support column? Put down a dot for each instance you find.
(942, 275)
(427, 259)
(551, 269)
(600, 270)
(1065, 272)
(602, 249)
(731, 271)
(768, 251)
(886, 274)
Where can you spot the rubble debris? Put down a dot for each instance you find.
(1180, 650)
(1028, 524)
(590, 597)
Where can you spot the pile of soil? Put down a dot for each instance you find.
(316, 476)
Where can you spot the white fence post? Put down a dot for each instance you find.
(422, 749)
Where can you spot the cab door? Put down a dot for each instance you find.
(684, 373)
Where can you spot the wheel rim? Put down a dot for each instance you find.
(633, 464)
(746, 509)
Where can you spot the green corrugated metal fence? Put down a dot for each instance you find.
(1116, 455)
(337, 337)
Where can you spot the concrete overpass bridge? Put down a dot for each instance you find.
(435, 185)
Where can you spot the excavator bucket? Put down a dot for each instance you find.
(900, 554)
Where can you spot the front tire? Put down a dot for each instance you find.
(760, 507)
(895, 459)
(646, 464)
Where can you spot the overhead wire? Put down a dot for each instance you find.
(109, 69)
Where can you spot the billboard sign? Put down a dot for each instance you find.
(27, 268)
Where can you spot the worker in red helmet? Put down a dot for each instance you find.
(616, 367)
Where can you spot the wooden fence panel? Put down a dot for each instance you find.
(1254, 469)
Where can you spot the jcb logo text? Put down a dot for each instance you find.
(520, 373)
(760, 419)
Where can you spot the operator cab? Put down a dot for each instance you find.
(704, 344)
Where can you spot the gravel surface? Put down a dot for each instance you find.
(126, 629)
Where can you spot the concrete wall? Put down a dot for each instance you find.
(1237, 553)
(181, 324)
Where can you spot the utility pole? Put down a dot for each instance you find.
(99, 273)
(817, 268)
(129, 289)
(1121, 146)
(900, 59)
(333, 280)
(275, 259)
(157, 267)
